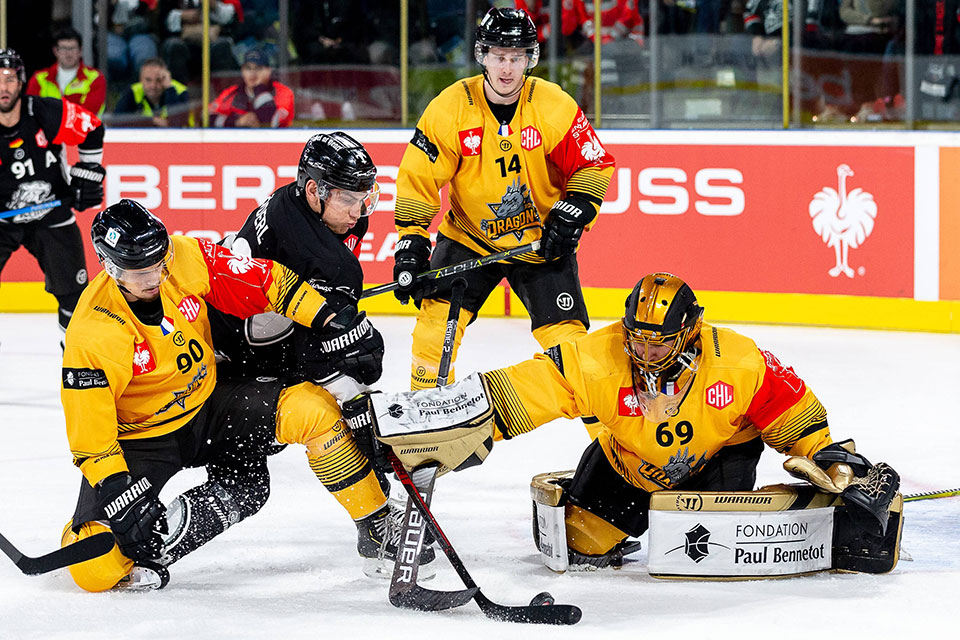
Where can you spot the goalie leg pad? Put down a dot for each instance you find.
(452, 425)
(856, 550)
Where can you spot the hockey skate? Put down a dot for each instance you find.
(378, 536)
(145, 576)
(612, 559)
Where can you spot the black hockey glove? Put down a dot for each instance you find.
(86, 178)
(870, 491)
(137, 517)
(411, 258)
(347, 344)
(356, 413)
(564, 226)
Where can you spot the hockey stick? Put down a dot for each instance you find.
(453, 269)
(929, 495)
(30, 209)
(405, 593)
(80, 551)
(541, 609)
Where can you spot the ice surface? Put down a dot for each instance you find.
(291, 571)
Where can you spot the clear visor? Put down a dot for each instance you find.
(367, 200)
(140, 279)
(487, 54)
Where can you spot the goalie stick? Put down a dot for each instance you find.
(929, 495)
(541, 609)
(405, 593)
(80, 551)
(454, 269)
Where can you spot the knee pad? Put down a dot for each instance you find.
(97, 574)
(306, 414)
(564, 533)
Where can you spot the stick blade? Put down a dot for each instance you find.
(80, 551)
(558, 614)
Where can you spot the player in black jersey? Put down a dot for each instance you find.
(34, 176)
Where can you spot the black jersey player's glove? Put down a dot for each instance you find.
(411, 258)
(86, 178)
(137, 517)
(347, 344)
(564, 226)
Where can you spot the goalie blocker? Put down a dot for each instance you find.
(776, 531)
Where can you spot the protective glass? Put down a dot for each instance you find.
(145, 278)
(366, 199)
(482, 53)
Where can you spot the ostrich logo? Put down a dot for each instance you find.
(843, 220)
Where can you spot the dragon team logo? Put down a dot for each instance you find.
(843, 220)
(470, 141)
(515, 213)
(143, 361)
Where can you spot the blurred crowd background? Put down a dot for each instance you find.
(377, 63)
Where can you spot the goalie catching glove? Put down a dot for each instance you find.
(86, 178)
(452, 425)
(868, 488)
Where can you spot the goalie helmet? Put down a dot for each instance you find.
(661, 323)
(10, 59)
(510, 29)
(126, 236)
(337, 161)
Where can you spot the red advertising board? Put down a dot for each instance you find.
(805, 219)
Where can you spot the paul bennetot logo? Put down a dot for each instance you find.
(843, 220)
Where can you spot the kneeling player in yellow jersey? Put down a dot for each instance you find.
(142, 400)
(684, 405)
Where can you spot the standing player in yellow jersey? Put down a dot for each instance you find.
(142, 400)
(685, 405)
(523, 164)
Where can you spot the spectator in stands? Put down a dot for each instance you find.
(131, 38)
(870, 24)
(158, 98)
(331, 31)
(256, 101)
(69, 78)
(182, 47)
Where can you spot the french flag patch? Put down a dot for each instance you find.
(166, 326)
(505, 130)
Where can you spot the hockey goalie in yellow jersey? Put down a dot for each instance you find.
(685, 406)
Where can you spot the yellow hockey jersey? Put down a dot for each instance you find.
(126, 379)
(503, 178)
(738, 391)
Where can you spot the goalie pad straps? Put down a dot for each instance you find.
(450, 425)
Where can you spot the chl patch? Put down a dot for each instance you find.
(530, 138)
(84, 378)
(190, 308)
(719, 394)
(422, 142)
(470, 141)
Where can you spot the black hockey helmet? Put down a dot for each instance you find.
(510, 29)
(10, 59)
(336, 161)
(661, 311)
(127, 236)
